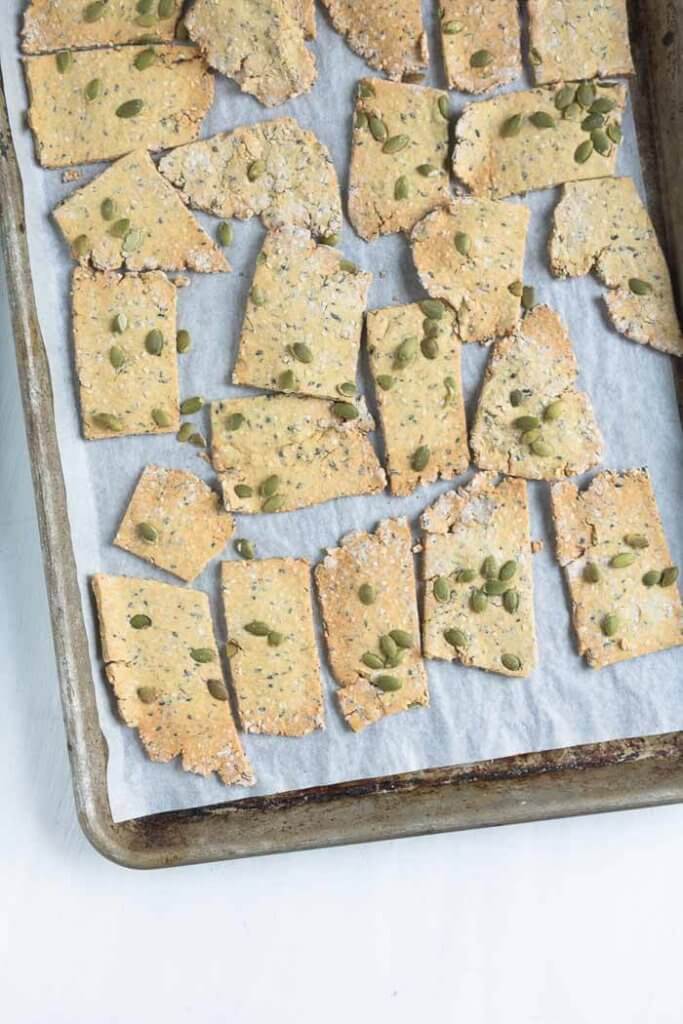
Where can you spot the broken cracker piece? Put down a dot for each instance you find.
(478, 601)
(367, 592)
(531, 420)
(575, 39)
(275, 673)
(415, 365)
(188, 524)
(625, 609)
(603, 226)
(304, 12)
(162, 662)
(480, 43)
(388, 34)
(62, 24)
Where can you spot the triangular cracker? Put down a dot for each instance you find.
(481, 48)
(389, 34)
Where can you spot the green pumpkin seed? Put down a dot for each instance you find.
(432, 308)
(495, 588)
(140, 621)
(185, 432)
(270, 486)
(367, 594)
(255, 169)
(275, 638)
(553, 411)
(224, 234)
(511, 601)
(120, 227)
(535, 56)
(147, 21)
(257, 296)
(148, 532)
(481, 59)
(385, 381)
(191, 405)
(154, 342)
(107, 421)
(516, 289)
(345, 410)
(131, 108)
(669, 576)
(145, 59)
(144, 6)
(508, 570)
(395, 144)
(183, 341)
(428, 170)
(431, 328)
(366, 89)
(466, 576)
(395, 659)
(489, 568)
(622, 560)
(273, 504)
(64, 60)
(511, 126)
(257, 628)
(348, 267)
(377, 127)
(302, 352)
(94, 89)
(610, 624)
(511, 662)
(636, 540)
(108, 209)
(119, 323)
(585, 95)
(388, 684)
(347, 389)
(442, 589)
(166, 8)
(572, 113)
(652, 578)
(478, 601)
(402, 639)
(614, 133)
(332, 239)
(516, 398)
(529, 436)
(526, 422)
(528, 297)
(197, 439)
(202, 655)
(401, 188)
(373, 661)
(592, 122)
(591, 573)
(443, 107)
(455, 637)
(94, 11)
(361, 122)
(462, 243)
(602, 144)
(243, 490)
(133, 240)
(583, 152)
(452, 28)
(541, 119)
(117, 357)
(564, 97)
(429, 348)
(147, 694)
(216, 688)
(541, 448)
(161, 418)
(287, 380)
(420, 458)
(602, 105)
(81, 246)
(388, 646)
(639, 287)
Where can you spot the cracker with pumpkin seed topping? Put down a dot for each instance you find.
(521, 141)
(129, 216)
(282, 452)
(275, 169)
(271, 644)
(480, 43)
(471, 255)
(478, 603)
(575, 39)
(366, 588)
(623, 585)
(399, 148)
(258, 43)
(161, 659)
(124, 331)
(303, 320)
(389, 34)
(531, 420)
(101, 105)
(414, 356)
(603, 226)
(175, 521)
(50, 25)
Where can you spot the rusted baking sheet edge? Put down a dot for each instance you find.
(615, 775)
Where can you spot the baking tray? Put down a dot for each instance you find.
(615, 775)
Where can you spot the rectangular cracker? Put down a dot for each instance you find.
(190, 523)
(315, 455)
(383, 560)
(421, 403)
(484, 519)
(176, 93)
(149, 229)
(178, 704)
(491, 163)
(386, 112)
(528, 374)
(305, 303)
(276, 677)
(388, 34)
(576, 39)
(61, 24)
(591, 527)
(480, 43)
(144, 385)
(474, 280)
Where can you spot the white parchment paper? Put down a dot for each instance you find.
(473, 714)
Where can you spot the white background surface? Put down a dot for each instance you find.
(573, 922)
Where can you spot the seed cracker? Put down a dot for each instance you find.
(276, 677)
(176, 93)
(484, 519)
(384, 560)
(62, 24)
(395, 111)
(304, 13)
(575, 39)
(297, 187)
(191, 525)
(492, 164)
(591, 527)
(302, 294)
(480, 43)
(603, 226)
(388, 34)
(150, 228)
(315, 455)
(421, 401)
(477, 284)
(258, 43)
(144, 385)
(535, 368)
(178, 715)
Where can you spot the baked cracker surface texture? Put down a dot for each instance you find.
(303, 319)
(389, 34)
(67, 24)
(123, 388)
(304, 13)
(358, 630)
(520, 141)
(129, 216)
(480, 43)
(162, 662)
(579, 39)
(258, 43)
(469, 254)
(275, 169)
(101, 106)
(415, 366)
(531, 420)
(399, 148)
(603, 226)
(478, 600)
(626, 608)
(189, 525)
(271, 644)
(281, 452)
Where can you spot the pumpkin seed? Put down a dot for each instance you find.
(270, 486)
(614, 133)
(366, 89)
(372, 660)
(592, 122)
(535, 56)
(431, 328)
(255, 169)
(191, 405)
(639, 287)
(564, 97)
(146, 21)
(144, 6)
(572, 113)
(145, 58)
(495, 588)
(429, 348)
(553, 411)
(402, 639)
(147, 532)
(583, 152)
(347, 389)
(133, 240)
(388, 646)
(302, 352)
(140, 621)
(442, 589)
(406, 351)
(224, 233)
(428, 170)
(511, 662)
(585, 95)
(466, 576)
(348, 267)
(116, 357)
(287, 380)
(166, 8)
(623, 560)
(610, 624)
(131, 108)
(147, 694)
(275, 638)
(183, 341)
(197, 439)
(94, 11)
(377, 127)
(216, 688)
(669, 576)
(528, 297)
(108, 209)
(462, 242)
(367, 594)
(243, 490)
(385, 381)
(526, 422)
(81, 246)
(455, 637)
(94, 89)
(452, 28)
(119, 323)
(443, 107)
(154, 342)
(257, 628)
(361, 121)
(332, 239)
(516, 289)
(395, 144)
(273, 504)
(344, 410)
(202, 655)
(401, 188)
(420, 458)
(591, 573)
(652, 578)
(234, 421)
(541, 119)
(388, 684)
(516, 398)
(541, 448)
(602, 105)
(64, 60)
(511, 601)
(602, 144)
(120, 227)
(636, 540)
(432, 309)
(478, 601)
(107, 421)
(511, 126)
(507, 570)
(161, 418)
(257, 296)
(489, 569)
(451, 389)
(481, 59)
(395, 660)
(529, 436)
